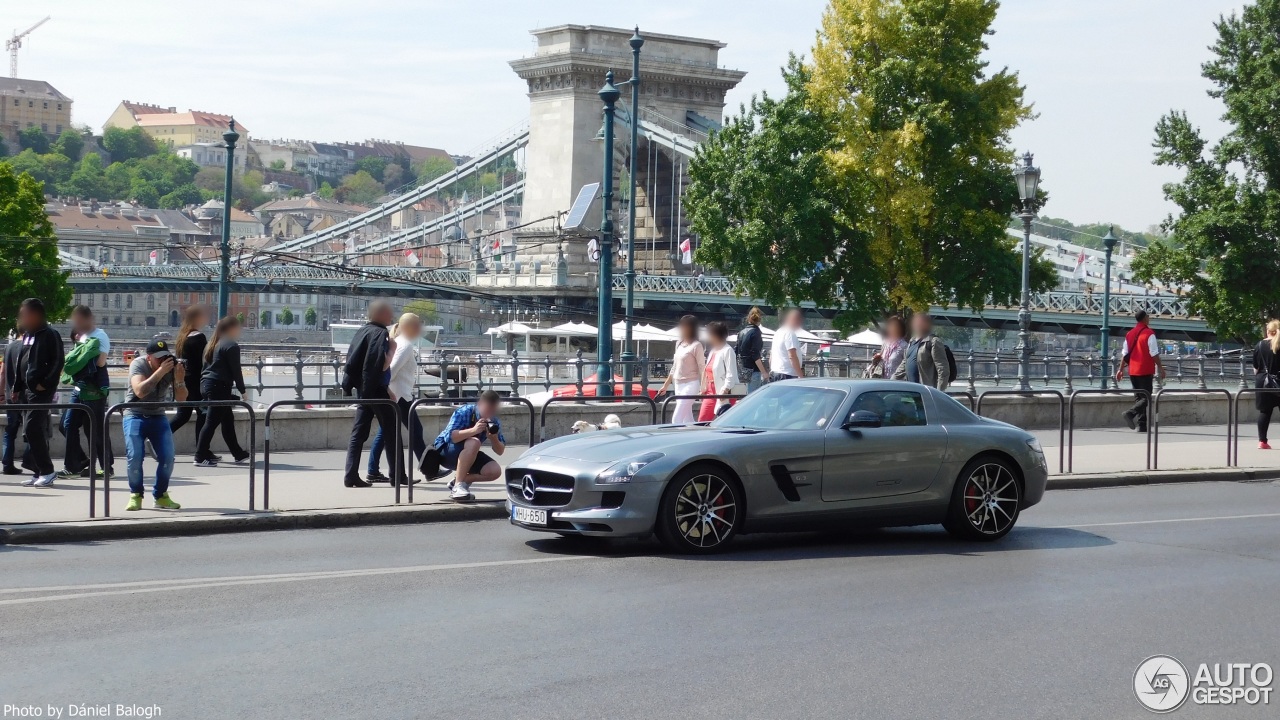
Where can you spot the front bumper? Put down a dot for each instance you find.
(624, 510)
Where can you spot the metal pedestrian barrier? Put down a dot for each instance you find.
(668, 399)
(1154, 417)
(456, 402)
(253, 437)
(1071, 418)
(397, 435)
(96, 425)
(1032, 394)
(973, 405)
(586, 400)
(1233, 452)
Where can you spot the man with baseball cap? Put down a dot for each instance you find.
(154, 377)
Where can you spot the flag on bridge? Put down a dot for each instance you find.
(155, 257)
(1079, 274)
(686, 251)
(412, 257)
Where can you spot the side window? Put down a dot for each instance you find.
(896, 408)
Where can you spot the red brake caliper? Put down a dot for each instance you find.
(971, 503)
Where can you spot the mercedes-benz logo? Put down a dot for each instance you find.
(528, 488)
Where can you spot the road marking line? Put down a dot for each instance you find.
(150, 586)
(1160, 522)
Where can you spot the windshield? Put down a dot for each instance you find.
(784, 406)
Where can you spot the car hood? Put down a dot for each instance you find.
(609, 446)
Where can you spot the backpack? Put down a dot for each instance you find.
(951, 363)
(82, 356)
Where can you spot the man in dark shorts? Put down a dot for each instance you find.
(460, 442)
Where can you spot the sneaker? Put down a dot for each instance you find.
(44, 480)
(1130, 420)
(68, 474)
(11, 470)
(1263, 445)
(376, 476)
(30, 481)
(461, 492)
(135, 502)
(99, 473)
(240, 460)
(206, 463)
(165, 503)
(216, 458)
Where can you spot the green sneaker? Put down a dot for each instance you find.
(135, 502)
(165, 503)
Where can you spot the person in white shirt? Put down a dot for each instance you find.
(404, 379)
(786, 358)
(721, 373)
(687, 368)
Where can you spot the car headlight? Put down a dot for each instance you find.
(624, 470)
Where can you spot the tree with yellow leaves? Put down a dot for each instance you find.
(903, 138)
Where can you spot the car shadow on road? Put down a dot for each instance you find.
(889, 542)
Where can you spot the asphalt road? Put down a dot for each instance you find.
(481, 620)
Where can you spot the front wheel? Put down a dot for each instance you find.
(700, 512)
(985, 502)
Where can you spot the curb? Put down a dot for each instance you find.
(112, 529)
(1085, 481)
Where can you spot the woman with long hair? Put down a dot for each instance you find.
(687, 368)
(894, 347)
(190, 345)
(1266, 369)
(403, 384)
(721, 373)
(222, 374)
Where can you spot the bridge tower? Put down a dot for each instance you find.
(683, 90)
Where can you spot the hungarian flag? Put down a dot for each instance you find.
(412, 257)
(155, 257)
(824, 350)
(1080, 266)
(686, 251)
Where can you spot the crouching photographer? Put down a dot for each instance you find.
(460, 442)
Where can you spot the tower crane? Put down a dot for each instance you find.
(15, 42)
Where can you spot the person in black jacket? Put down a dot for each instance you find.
(13, 418)
(191, 344)
(1266, 370)
(221, 374)
(368, 374)
(40, 369)
(751, 351)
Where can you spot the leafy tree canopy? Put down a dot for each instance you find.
(33, 138)
(69, 143)
(128, 144)
(1222, 243)
(883, 179)
(359, 189)
(29, 265)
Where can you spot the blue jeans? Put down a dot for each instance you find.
(754, 381)
(416, 440)
(12, 433)
(138, 431)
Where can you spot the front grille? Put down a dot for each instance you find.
(550, 489)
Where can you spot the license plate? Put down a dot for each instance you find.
(529, 516)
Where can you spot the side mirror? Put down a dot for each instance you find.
(863, 419)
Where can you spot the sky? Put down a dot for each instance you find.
(430, 72)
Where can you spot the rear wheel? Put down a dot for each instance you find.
(701, 510)
(986, 500)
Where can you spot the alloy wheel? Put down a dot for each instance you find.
(705, 511)
(991, 499)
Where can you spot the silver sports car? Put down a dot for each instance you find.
(795, 455)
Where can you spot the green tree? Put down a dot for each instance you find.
(286, 317)
(359, 189)
(277, 165)
(211, 179)
(326, 191)
(57, 168)
(69, 143)
(373, 165)
(29, 265)
(1222, 244)
(432, 168)
(88, 180)
(240, 318)
(424, 309)
(181, 196)
(33, 138)
(130, 144)
(142, 192)
(311, 317)
(264, 319)
(882, 180)
(4, 147)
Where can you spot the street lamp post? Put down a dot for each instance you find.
(1110, 242)
(224, 269)
(1028, 178)
(609, 94)
(628, 355)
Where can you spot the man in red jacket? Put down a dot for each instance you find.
(1142, 358)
